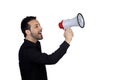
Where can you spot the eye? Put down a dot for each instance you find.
(37, 25)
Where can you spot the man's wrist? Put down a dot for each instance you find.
(68, 41)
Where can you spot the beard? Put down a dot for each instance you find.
(37, 36)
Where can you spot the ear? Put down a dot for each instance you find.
(27, 32)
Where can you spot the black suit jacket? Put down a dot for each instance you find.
(32, 61)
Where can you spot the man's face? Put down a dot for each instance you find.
(35, 30)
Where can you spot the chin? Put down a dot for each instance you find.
(40, 38)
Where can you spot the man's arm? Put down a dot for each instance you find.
(43, 58)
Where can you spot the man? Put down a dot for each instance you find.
(31, 60)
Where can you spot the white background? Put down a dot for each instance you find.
(94, 53)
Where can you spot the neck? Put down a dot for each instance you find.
(31, 39)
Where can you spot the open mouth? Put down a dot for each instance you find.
(40, 33)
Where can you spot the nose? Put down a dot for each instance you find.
(40, 28)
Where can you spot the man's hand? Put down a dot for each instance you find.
(68, 34)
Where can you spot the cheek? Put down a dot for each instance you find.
(34, 31)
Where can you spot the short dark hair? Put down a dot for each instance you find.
(25, 25)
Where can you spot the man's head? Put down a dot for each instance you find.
(31, 28)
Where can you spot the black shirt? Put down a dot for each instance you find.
(32, 61)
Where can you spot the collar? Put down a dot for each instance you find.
(37, 44)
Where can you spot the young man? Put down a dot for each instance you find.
(31, 60)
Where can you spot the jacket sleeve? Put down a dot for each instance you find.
(43, 58)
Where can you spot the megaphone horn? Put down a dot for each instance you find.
(76, 21)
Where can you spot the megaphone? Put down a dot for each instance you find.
(76, 21)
